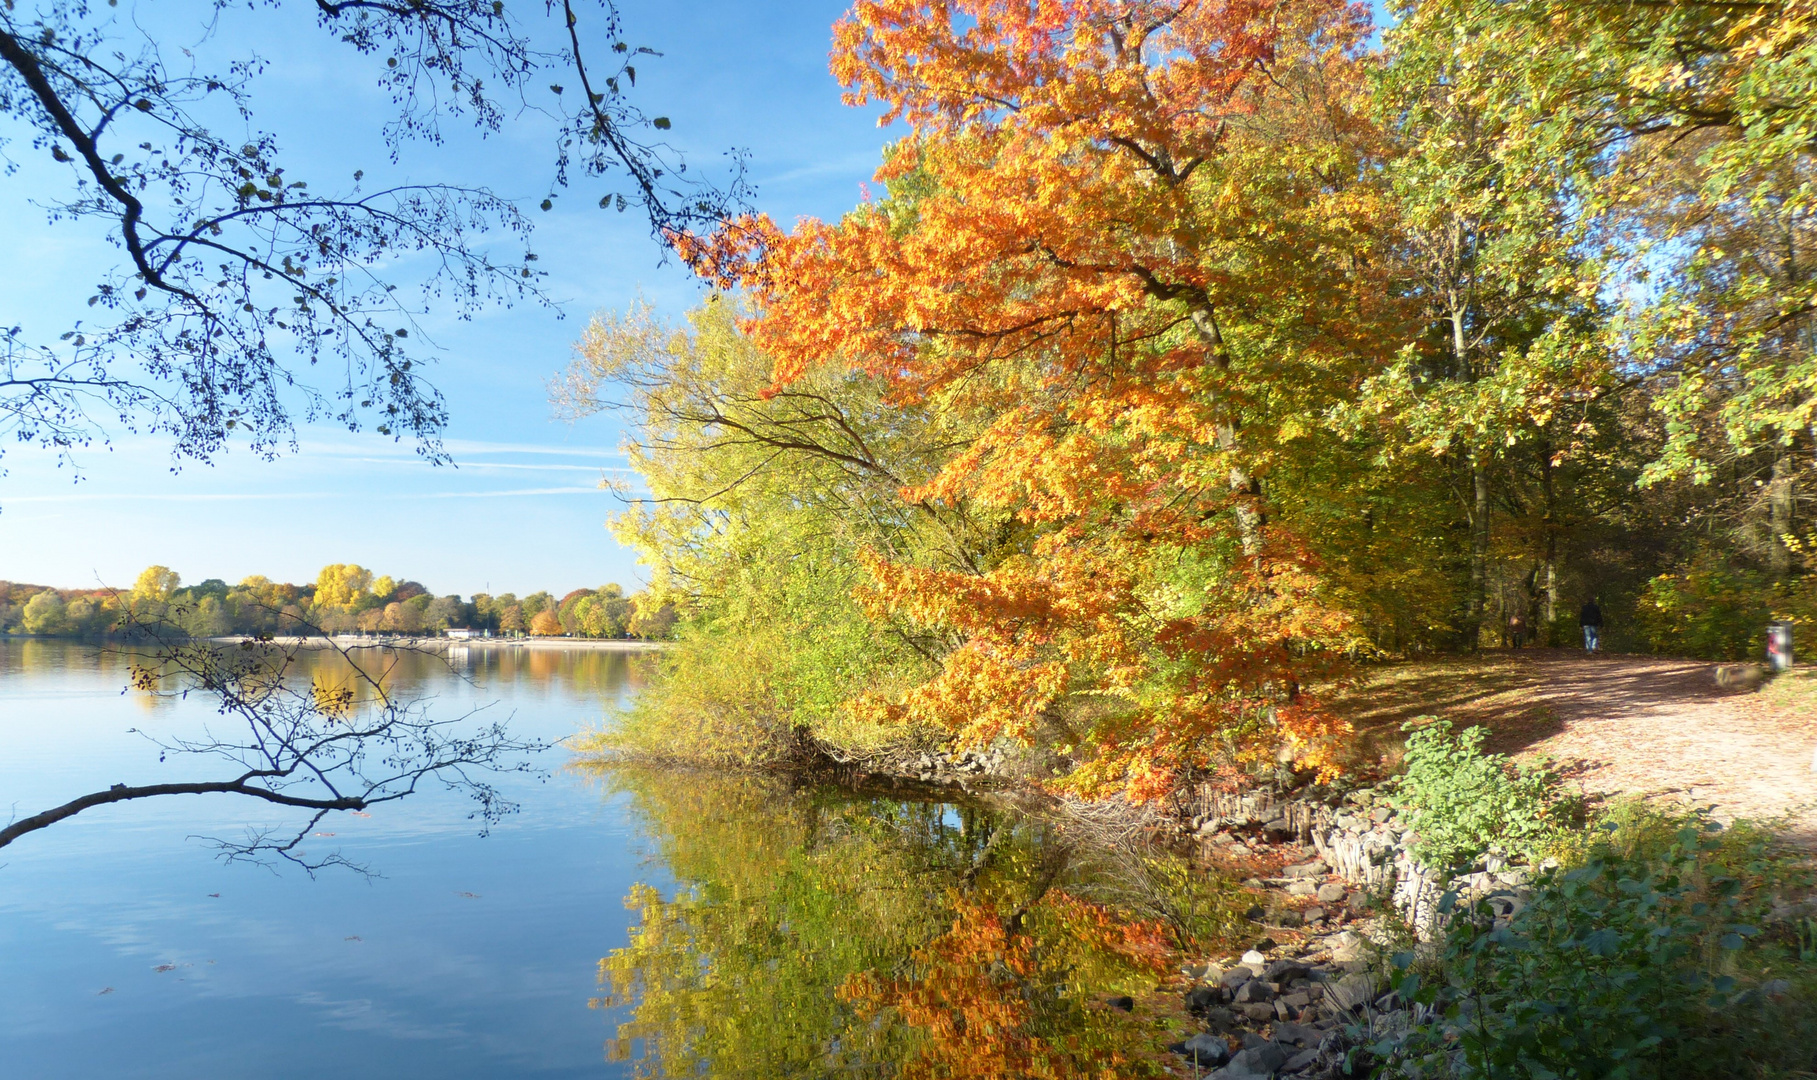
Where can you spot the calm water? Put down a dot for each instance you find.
(622, 924)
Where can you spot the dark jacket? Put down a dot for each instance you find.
(1591, 615)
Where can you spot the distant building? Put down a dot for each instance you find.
(462, 633)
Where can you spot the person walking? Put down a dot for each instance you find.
(1590, 618)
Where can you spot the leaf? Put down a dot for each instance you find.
(661, 123)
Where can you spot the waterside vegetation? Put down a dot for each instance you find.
(344, 598)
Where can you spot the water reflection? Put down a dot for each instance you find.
(823, 933)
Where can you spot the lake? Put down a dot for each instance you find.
(622, 923)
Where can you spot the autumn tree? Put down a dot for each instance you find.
(342, 585)
(1092, 236)
(546, 625)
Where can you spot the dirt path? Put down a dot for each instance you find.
(1630, 724)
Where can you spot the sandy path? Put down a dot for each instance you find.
(1659, 727)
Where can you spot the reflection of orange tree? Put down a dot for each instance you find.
(1003, 998)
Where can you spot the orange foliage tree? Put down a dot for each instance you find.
(1137, 239)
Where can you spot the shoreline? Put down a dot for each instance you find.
(443, 644)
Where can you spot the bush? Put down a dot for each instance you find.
(1463, 802)
(1647, 960)
(1718, 612)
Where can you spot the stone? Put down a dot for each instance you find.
(1380, 815)
(1251, 1040)
(1357, 901)
(1313, 914)
(1277, 829)
(1301, 1060)
(1254, 990)
(1299, 999)
(1260, 1012)
(1331, 893)
(1254, 958)
(1504, 904)
(1347, 945)
(1315, 868)
(1265, 944)
(1255, 914)
(1220, 1017)
(1297, 1034)
(1263, 1060)
(1200, 998)
(1125, 1003)
(1302, 887)
(1205, 1051)
(1236, 977)
(1350, 992)
(1285, 971)
(1282, 1010)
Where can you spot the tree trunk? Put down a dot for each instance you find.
(1549, 612)
(1479, 555)
(1781, 498)
(1246, 488)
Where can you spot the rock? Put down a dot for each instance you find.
(1299, 999)
(1205, 1051)
(1220, 1017)
(1263, 1060)
(1380, 815)
(1278, 830)
(1285, 971)
(1260, 1012)
(1254, 959)
(1302, 887)
(1357, 901)
(1254, 990)
(1125, 1003)
(1265, 944)
(1236, 977)
(1347, 946)
(1251, 1040)
(1350, 992)
(1315, 868)
(1297, 1034)
(1200, 998)
(1313, 914)
(1331, 893)
(1301, 1060)
(1505, 904)
(1256, 913)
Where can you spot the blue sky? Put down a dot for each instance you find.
(522, 509)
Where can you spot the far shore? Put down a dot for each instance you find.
(444, 643)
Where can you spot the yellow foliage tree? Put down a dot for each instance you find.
(156, 583)
(342, 584)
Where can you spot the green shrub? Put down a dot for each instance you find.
(1717, 612)
(1462, 802)
(1646, 960)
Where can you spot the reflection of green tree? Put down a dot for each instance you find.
(787, 897)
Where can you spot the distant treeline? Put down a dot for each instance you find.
(343, 598)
